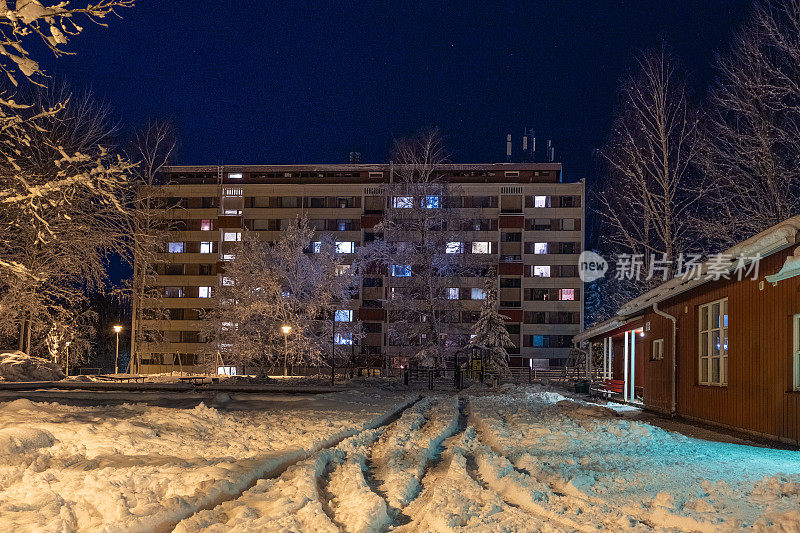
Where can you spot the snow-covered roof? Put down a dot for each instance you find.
(763, 244)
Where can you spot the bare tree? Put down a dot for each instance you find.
(420, 252)
(650, 189)
(153, 148)
(753, 131)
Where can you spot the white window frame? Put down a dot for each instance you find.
(231, 236)
(541, 201)
(452, 293)
(540, 248)
(658, 350)
(202, 290)
(208, 246)
(706, 361)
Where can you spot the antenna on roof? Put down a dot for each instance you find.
(355, 158)
(529, 143)
(551, 152)
(508, 147)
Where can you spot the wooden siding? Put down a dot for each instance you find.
(759, 396)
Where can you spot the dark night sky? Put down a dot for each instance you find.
(303, 82)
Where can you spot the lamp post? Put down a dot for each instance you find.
(66, 345)
(117, 329)
(286, 330)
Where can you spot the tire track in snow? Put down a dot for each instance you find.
(275, 466)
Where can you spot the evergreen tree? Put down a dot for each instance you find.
(490, 330)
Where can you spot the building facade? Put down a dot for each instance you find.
(522, 217)
(713, 347)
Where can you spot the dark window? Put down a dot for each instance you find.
(316, 202)
(371, 303)
(510, 303)
(510, 283)
(373, 282)
(513, 329)
(205, 270)
(372, 327)
(511, 237)
(174, 269)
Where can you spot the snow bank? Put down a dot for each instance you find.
(136, 467)
(19, 366)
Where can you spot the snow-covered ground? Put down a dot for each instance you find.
(517, 459)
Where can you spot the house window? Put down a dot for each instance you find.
(206, 247)
(541, 201)
(316, 202)
(344, 315)
(401, 271)
(403, 202)
(478, 294)
(234, 175)
(204, 292)
(452, 293)
(568, 224)
(175, 247)
(231, 236)
(540, 247)
(566, 294)
(431, 201)
(454, 248)
(205, 225)
(713, 343)
(345, 247)
(342, 270)
(481, 248)
(229, 256)
(344, 338)
(796, 355)
(316, 246)
(658, 350)
(173, 292)
(541, 271)
(226, 370)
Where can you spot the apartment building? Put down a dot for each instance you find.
(522, 217)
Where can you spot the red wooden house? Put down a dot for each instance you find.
(715, 348)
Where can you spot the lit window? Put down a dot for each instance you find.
(541, 201)
(341, 270)
(454, 248)
(566, 294)
(344, 315)
(713, 332)
(226, 326)
(431, 202)
(541, 341)
(226, 370)
(541, 271)
(232, 236)
(234, 175)
(204, 292)
(175, 247)
(540, 247)
(227, 282)
(452, 293)
(344, 338)
(403, 202)
(228, 256)
(206, 247)
(173, 292)
(205, 225)
(316, 246)
(478, 294)
(481, 248)
(401, 271)
(345, 247)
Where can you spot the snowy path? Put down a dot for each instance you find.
(520, 459)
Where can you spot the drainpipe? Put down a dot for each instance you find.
(656, 310)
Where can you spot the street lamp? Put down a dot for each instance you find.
(66, 345)
(117, 329)
(286, 330)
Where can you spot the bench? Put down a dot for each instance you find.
(194, 380)
(608, 387)
(125, 379)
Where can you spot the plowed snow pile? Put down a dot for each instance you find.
(136, 467)
(19, 366)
